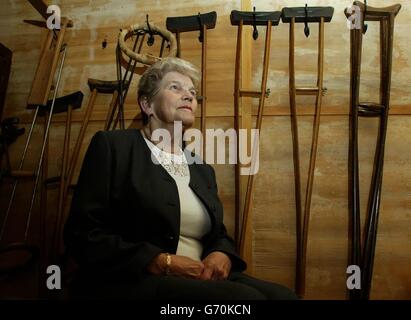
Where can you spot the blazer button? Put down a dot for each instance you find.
(170, 237)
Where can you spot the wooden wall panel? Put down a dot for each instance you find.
(273, 203)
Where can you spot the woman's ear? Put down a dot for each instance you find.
(145, 106)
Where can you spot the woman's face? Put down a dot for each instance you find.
(176, 101)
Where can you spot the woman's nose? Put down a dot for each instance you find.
(188, 96)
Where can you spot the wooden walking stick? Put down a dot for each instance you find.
(200, 22)
(241, 18)
(64, 104)
(380, 110)
(305, 15)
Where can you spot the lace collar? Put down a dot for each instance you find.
(175, 164)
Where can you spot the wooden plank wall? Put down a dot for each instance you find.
(273, 233)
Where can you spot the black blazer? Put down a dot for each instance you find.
(126, 210)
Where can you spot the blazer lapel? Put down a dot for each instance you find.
(170, 202)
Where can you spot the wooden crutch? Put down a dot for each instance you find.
(200, 22)
(124, 81)
(241, 18)
(305, 15)
(64, 104)
(365, 259)
(24, 246)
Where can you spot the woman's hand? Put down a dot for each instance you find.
(186, 267)
(217, 266)
(180, 266)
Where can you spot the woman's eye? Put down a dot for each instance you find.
(174, 87)
(194, 93)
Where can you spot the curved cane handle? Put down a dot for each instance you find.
(147, 59)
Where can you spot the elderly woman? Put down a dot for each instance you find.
(146, 224)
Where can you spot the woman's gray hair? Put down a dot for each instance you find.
(149, 83)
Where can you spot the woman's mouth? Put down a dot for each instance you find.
(186, 108)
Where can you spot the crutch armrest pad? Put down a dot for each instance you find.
(105, 86)
(258, 18)
(61, 104)
(314, 14)
(374, 14)
(191, 23)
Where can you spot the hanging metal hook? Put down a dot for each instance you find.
(201, 36)
(150, 40)
(364, 25)
(306, 28)
(255, 31)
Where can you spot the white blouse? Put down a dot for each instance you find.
(194, 219)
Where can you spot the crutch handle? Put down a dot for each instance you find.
(370, 110)
(52, 180)
(21, 174)
(32, 254)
